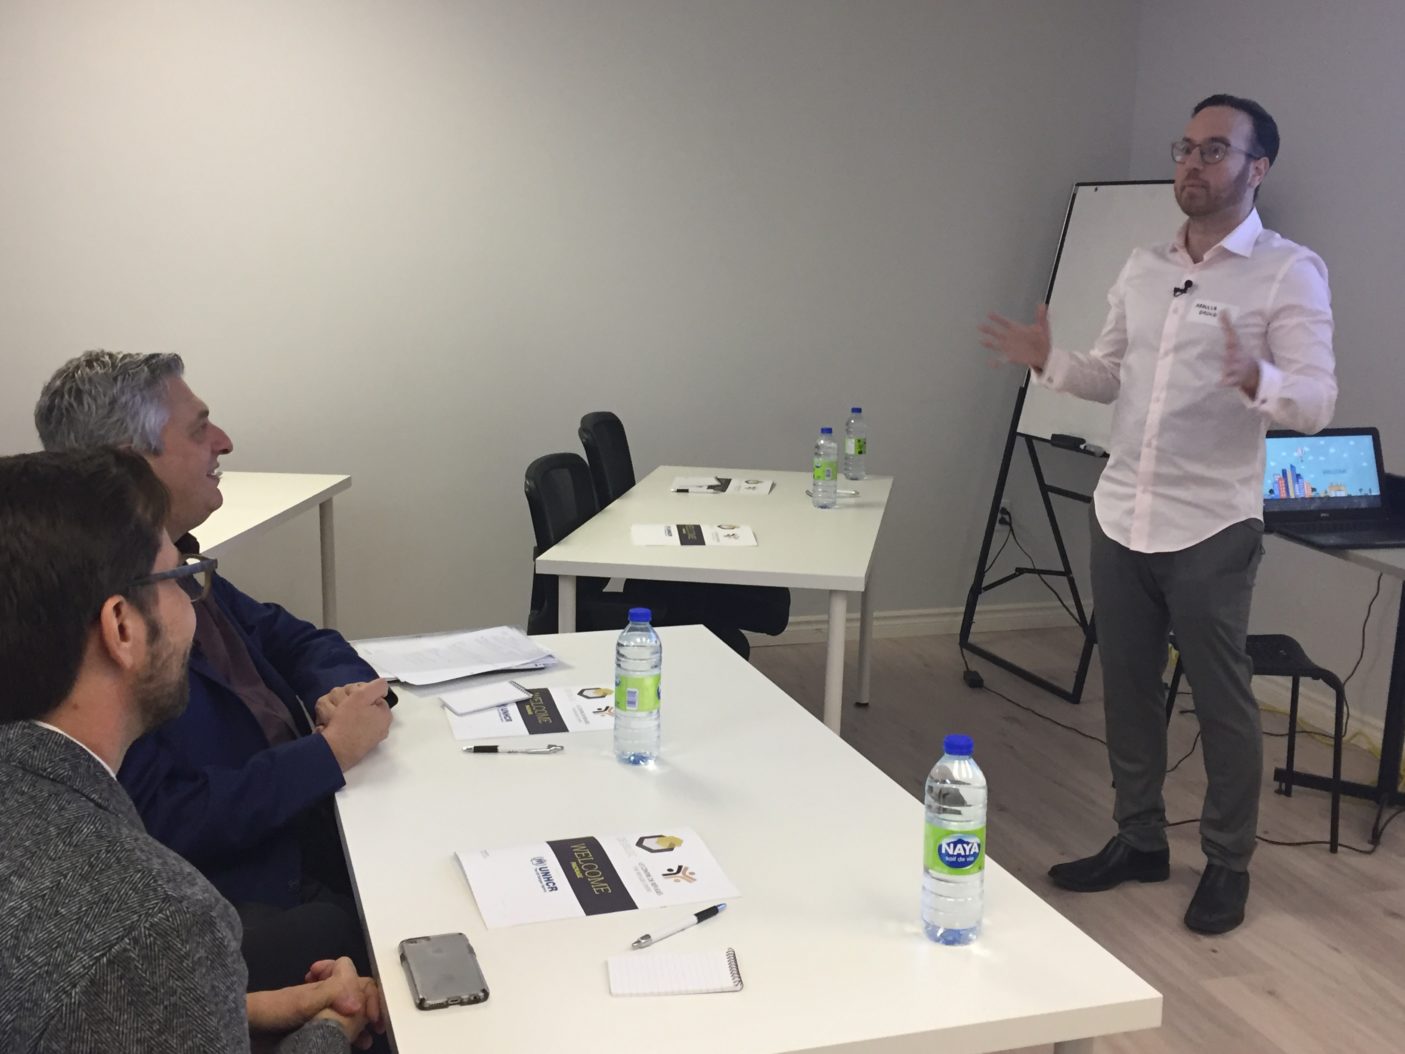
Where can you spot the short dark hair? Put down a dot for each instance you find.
(76, 527)
(1265, 127)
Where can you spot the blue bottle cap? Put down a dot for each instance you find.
(640, 615)
(826, 431)
(856, 409)
(958, 746)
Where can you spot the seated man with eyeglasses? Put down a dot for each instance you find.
(241, 783)
(112, 941)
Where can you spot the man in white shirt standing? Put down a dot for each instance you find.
(1209, 339)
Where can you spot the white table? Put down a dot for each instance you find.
(257, 501)
(825, 849)
(798, 546)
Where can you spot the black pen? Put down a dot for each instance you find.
(701, 916)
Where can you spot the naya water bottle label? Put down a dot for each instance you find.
(949, 852)
(637, 695)
(855, 446)
(826, 470)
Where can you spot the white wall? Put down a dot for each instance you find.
(1332, 77)
(416, 241)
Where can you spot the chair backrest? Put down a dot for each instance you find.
(607, 450)
(560, 498)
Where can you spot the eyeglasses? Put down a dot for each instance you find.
(1211, 153)
(191, 564)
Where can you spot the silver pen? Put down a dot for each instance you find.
(493, 748)
(701, 916)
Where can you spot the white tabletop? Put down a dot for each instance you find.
(825, 849)
(1387, 561)
(798, 545)
(257, 501)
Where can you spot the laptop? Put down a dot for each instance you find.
(1331, 490)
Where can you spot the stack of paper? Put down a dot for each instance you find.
(691, 534)
(433, 658)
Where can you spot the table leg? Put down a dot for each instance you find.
(329, 565)
(1393, 732)
(834, 659)
(566, 603)
(1074, 1046)
(865, 641)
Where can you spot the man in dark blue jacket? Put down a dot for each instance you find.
(241, 783)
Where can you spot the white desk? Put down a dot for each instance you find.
(825, 849)
(256, 501)
(798, 546)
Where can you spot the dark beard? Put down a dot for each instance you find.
(162, 689)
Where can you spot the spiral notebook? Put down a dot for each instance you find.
(664, 973)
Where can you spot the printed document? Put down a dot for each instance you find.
(569, 878)
(691, 534)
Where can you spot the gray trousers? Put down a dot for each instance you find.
(1203, 594)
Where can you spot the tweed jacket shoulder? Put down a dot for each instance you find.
(110, 941)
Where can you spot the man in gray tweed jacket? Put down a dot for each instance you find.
(108, 940)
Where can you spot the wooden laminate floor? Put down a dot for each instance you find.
(1319, 964)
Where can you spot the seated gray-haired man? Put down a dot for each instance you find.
(241, 783)
(111, 941)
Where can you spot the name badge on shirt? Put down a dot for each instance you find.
(1208, 312)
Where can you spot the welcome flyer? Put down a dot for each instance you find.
(569, 878)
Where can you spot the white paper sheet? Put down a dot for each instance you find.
(574, 877)
(436, 657)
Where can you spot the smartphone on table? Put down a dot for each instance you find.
(443, 971)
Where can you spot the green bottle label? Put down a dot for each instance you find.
(638, 695)
(856, 446)
(826, 470)
(949, 852)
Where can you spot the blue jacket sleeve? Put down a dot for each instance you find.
(210, 811)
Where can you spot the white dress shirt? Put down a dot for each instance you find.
(90, 750)
(1186, 458)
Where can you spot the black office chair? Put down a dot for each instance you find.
(1277, 655)
(760, 609)
(607, 451)
(560, 498)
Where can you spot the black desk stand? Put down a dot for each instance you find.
(1386, 791)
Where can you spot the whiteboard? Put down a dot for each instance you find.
(1105, 222)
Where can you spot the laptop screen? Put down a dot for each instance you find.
(1337, 469)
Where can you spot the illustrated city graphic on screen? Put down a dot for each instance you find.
(1316, 472)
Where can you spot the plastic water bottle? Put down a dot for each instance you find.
(824, 488)
(953, 849)
(855, 444)
(638, 662)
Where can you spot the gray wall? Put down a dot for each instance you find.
(415, 241)
(1332, 77)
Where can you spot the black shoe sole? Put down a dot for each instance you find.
(1100, 887)
(1214, 929)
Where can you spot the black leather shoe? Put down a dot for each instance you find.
(1218, 904)
(1117, 863)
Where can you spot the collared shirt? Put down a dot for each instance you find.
(54, 728)
(1186, 458)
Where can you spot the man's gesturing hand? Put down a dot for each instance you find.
(357, 722)
(1022, 345)
(1241, 369)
